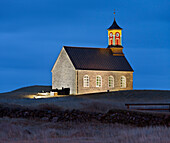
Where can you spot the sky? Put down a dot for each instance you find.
(32, 33)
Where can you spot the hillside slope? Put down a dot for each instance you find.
(21, 92)
(91, 102)
(132, 95)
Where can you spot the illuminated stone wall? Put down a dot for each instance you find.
(63, 73)
(105, 75)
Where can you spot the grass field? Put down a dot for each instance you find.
(26, 131)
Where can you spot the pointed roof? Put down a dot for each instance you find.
(114, 25)
(84, 58)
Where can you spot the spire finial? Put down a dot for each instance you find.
(114, 14)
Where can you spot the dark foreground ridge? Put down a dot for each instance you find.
(135, 118)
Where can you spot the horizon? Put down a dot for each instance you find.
(32, 34)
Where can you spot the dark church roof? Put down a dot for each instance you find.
(97, 59)
(114, 25)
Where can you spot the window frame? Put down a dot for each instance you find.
(123, 83)
(112, 86)
(100, 81)
(86, 81)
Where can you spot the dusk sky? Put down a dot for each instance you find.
(32, 33)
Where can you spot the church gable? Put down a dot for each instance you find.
(63, 73)
(63, 56)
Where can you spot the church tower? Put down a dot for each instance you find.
(115, 39)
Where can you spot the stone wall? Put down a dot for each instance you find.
(105, 75)
(113, 116)
(63, 73)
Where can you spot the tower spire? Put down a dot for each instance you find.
(114, 14)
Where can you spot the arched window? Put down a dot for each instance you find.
(111, 81)
(123, 82)
(86, 81)
(98, 81)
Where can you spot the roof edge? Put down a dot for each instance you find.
(83, 47)
(105, 70)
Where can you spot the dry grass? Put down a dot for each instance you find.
(26, 131)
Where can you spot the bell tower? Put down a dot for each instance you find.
(115, 39)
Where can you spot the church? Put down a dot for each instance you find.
(89, 70)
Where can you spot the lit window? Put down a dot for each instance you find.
(111, 81)
(123, 82)
(99, 81)
(86, 81)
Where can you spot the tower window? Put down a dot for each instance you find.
(111, 81)
(117, 38)
(123, 82)
(98, 81)
(86, 81)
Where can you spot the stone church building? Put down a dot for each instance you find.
(89, 70)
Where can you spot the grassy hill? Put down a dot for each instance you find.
(132, 95)
(21, 92)
(140, 95)
(91, 102)
(33, 89)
